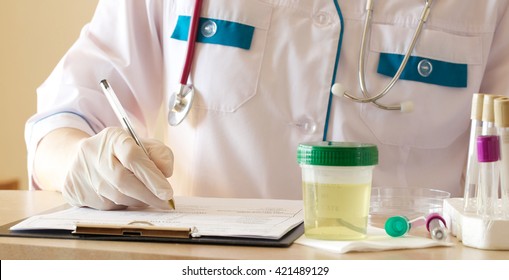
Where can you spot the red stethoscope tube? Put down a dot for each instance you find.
(191, 42)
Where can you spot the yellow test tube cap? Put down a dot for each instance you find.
(488, 110)
(501, 113)
(477, 105)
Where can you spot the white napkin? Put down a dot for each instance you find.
(377, 240)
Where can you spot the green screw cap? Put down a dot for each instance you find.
(397, 226)
(328, 153)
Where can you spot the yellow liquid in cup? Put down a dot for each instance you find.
(336, 211)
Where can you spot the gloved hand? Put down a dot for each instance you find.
(110, 171)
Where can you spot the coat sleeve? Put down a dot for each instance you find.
(121, 44)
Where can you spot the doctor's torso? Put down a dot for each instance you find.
(254, 106)
(262, 73)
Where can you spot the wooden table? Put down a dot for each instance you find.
(18, 204)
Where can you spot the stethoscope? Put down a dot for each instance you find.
(181, 102)
(406, 106)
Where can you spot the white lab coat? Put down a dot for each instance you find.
(253, 107)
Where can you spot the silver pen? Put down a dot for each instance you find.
(124, 120)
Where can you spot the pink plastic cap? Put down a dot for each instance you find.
(488, 148)
(433, 216)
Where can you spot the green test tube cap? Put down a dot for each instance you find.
(397, 226)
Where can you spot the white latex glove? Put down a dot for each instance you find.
(110, 172)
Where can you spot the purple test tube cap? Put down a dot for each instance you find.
(433, 216)
(488, 148)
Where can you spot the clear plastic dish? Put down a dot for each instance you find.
(409, 202)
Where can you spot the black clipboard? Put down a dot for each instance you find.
(135, 233)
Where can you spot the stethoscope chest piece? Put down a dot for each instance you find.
(180, 104)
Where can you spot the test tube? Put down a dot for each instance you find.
(397, 226)
(488, 154)
(502, 125)
(488, 115)
(436, 227)
(472, 169)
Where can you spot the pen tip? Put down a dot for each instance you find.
(104, 83)
(172, 204)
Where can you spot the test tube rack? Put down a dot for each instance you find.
(474, 230)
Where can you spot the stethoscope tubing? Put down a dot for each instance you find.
(192, 37)
(191, 42)
(362, 76)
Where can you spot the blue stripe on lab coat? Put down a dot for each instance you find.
(228, 33)
(443, 73)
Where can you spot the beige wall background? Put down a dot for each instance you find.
(34, 35)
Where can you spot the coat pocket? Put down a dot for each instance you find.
(435, 80)
(228, 54)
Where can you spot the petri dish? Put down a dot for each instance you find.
(410, 202)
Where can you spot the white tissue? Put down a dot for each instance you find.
(377, 240)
